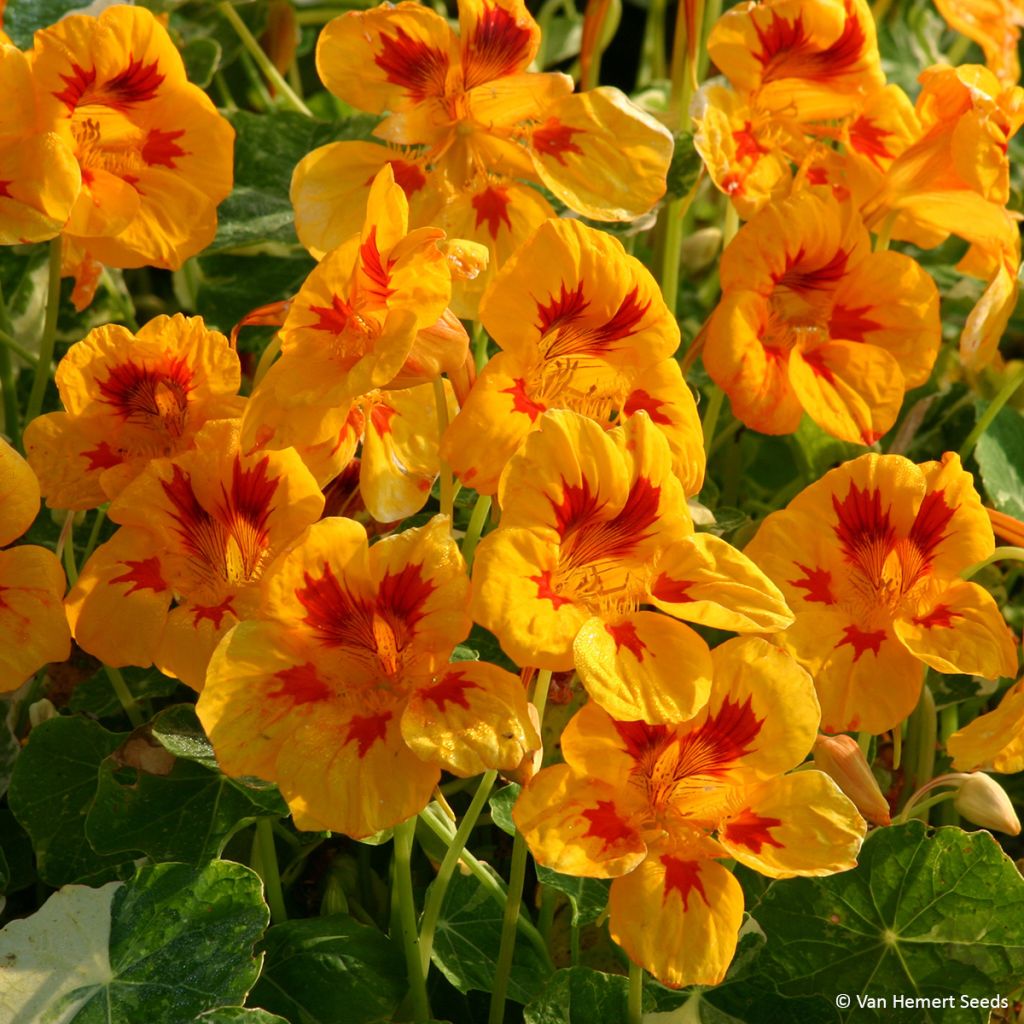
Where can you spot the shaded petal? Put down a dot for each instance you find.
(994, 741)
(19, 494)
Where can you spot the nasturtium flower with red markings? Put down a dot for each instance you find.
(39, 175)
(869, 559)
(816, 59)
(995, 26)
(197, 531)
(582, 326)
(993, 741)
(655, 806)
(129, 399)
(340, 689)
(812, 321)
(33, 627)
(594, 524)
(155, 156)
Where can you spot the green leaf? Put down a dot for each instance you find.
(587, 896)
(1000, 455)
(202, 58)
(166, 946)
(10, 748)
(239, 1015)
(96, 697)
(16, 848)
(330, 970)
(52, 788)
(929, 914)
(467, 941)
(502, 801)
(22, 19)
(686, 165)
(579, 995)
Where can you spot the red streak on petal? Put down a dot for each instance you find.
(451, 689)
(497, 47)
(864, 531)
(521, 402)
(553, 138)
(381, 416)
(624, 634)
(334, 318)
(138, 392)
(76, 85)
(545, 590)
(642, 400)
(137, 83)
(682, 876)
(142, 575)
(799, 276)
(674, 591)
(366, 730)
(848, 323)
(866, 139)
(491, 206)
(605, 824)
(751, 830)
(816, 361)
(419, 68)
(817, 583)
(566, 309)
(373, 267)
(408, 176)
(746, 143)
(940, 617)
(930, 523)
(720, 741)
(789, 52)
(576, 506)
(641, 738)
(300, 684)
(403, 595)
(102, 457)
(817, 176)
(861, 641)
(160, 148)
(215, 613)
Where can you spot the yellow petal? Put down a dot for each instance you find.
(993, 741)
(19, 494)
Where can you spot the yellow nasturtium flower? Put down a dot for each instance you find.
(198, 530)
(869, 559)
(341, 691)
(994, 741)
(128, 399)
(654, 807)
(594, 524)
(155, 156)
(582, 326)
(811, 320)
(33, 627)
(995, 26)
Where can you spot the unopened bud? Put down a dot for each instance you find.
(982, 801)
(699, 250)
(844, 762)
(41, 711)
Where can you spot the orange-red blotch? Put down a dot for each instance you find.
(365, 730)
(102, 457)
(545, 590)
(521, 402)
(721, 740)
(553, 138)
(498, 46)
(641, 400)
(404, 594)
(683, 877)
(491, 206)
(817, 583)
(566, 309)
(142, 575)
(667, 589)
(374, 268)
(213, 613)
(862, 523)
(334, 318)
(450, 689)
(930, 523)
(417, 67)
(624, 634)
(160, 148)
(605, 824)
(137, 391)
(789, 52)
(940, 617)
(300, 684)
(861, 640)
(848, 323)
(752, 831)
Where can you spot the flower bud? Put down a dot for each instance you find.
(41, 711)
(698, 251)
(842, 759)
(982, 801)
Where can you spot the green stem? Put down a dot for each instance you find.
(672, 247)
(10, 397)
(730, 225)
(652, 59)
(445, 471)
(94, 533)
(924, 765)
(67, 541)
(265, 64)
(710, 418)
(885, 233)
(49, 338)
(991, 412)
(999, 555)
(479, 345)
(270, 873)
(432, 908)
(124, 695)
(516, 878)
(949, 723)
(267, 357)
(915, 808)
(636, 993)
(481, 510)
(406, 900)
(958, 50)
(8, 343)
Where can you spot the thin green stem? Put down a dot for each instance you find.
(991, 412)
(897, 747)
(652, 59)
(1002, 554)
(672, 247)
(406, 900)
(730, 224)
(124, 695)
(432, 907)
(265, 64)
(710, 419)
(267, 357)
(540, 693)
(67, 544)
(949, 723)
(479, 345)
(94, 533)
(7, 342)
(915, 808)
(958, 50)
(481, 510)
(516, 878)
(924, 765)
(445, 471)
(635, 1010)
(122, 300)
(12, 424)
(49, 338)
(270, 872)
(884, 235)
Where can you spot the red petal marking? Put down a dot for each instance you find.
(338, 617)
(367, 730)
(752, 831)
(817, 583)
(930, 523)
(861, 641)
(300, 684)
(498, 46)
(605, 824)
(142, 575)
(864, 531)
(381, 416)
(419, 68)
(334, 318)
(140, 393)
(801, 277)
(138, 83)
(576, 338)
(848, 323)
(5, 192)
(816, 362)
(642, 739)
(940, 617)
(408, 176)
(404, 594)
(643, 400)
(732, 184)
(160, 148)
(521, 402)
(102, 457)
(788, 52)
(817, 176)
(746, 143)
(552, 138)
(545, 590)
(372, 265)
(215, 612)
(624, 635)
(866, 139)
(576, 506)
(674, 591)
(491, 206)
(451, 689)
(566, 309)
(626, 319)
(682, 876)
(720, 741)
